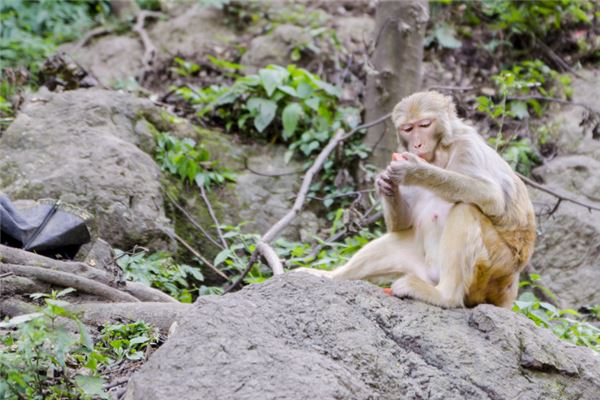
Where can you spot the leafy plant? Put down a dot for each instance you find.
(190, 162)
(127, 341)
(519, 153)
(30, 30)
(291, 106)
(159, 270)
(566, 324)
(41, 359)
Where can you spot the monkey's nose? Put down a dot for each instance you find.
(418, 145)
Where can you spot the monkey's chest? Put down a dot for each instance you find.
(429, 226)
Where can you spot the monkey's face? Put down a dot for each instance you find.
(421, 137)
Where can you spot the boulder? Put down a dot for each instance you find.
(567, 252)
(275, 47)
(85, 148)
(355, 31)
(302, 337)
(190, 32)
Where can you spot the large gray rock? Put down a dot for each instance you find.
(85, 148)
(567, 252)
(275, 47)
(189, 33)
(302, 337)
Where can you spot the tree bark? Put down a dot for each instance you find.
(396, 68)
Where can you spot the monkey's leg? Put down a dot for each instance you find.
(392, 255)
(461, 247)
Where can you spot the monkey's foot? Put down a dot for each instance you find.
(316, 272)
(405, 286)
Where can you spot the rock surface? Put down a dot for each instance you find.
(302, 337)
(83, 147)
(275, 47)
(567, 252)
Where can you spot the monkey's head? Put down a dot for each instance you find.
(422, 121)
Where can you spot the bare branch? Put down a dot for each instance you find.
(551, 99)
(275, 230)
(193, 221)
(149, 48)
(213, 216)
(98, 31)
(560, 197)
(200, 256)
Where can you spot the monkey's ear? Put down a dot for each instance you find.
(450, 107)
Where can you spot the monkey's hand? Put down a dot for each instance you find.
(385, 186)
(408, 164)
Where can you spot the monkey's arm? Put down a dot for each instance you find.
(456, 187)
(396, 212)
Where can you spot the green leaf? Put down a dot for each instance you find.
(91, 385)
(222, 256)
(272, 78)
(446, 37)
(290, 116)
(265, 109)
(519, 109)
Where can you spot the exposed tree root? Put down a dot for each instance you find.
(10, 255)
(149, 48)
(65, 279)
(160, 315)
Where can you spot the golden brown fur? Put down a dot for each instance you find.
(461, 225)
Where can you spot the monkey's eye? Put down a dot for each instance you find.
(425, 123)
(406, 128)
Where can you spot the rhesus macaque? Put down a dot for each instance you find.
(460, 223)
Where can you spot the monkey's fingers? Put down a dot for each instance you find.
(385, 188)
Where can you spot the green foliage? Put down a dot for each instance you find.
(287, 105)
(525, 79)
(41, 359)
(127, 341)
(159, 270)
(566, 324)
(534, 17)
(293, 254)
(30, 30)
(190, 162)
(519, 153)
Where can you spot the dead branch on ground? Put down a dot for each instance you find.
(213, 215)
(559, 196)
(149, 48)
(263, 247)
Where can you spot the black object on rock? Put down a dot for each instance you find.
(50, 229)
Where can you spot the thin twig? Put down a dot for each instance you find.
(98, 31)
(200, 256)
(551, 99)
(247, 166)
(116, 382)
(213, 216)
(5, 275)
(560, 197)
(193, 221)
(280, 225)
(451, 88)
(342, 234)
(149, 48)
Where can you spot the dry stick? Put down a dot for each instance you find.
(342, 234)
(212, 215)
(149, 48)
(280, 225)
(101, 30)
(193, 221)
(200, 256)
(65, 279)
(551, 99)
(116, 382)
(560, 197)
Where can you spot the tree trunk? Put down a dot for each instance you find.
(398, 38)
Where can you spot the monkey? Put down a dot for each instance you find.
(460, 224)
